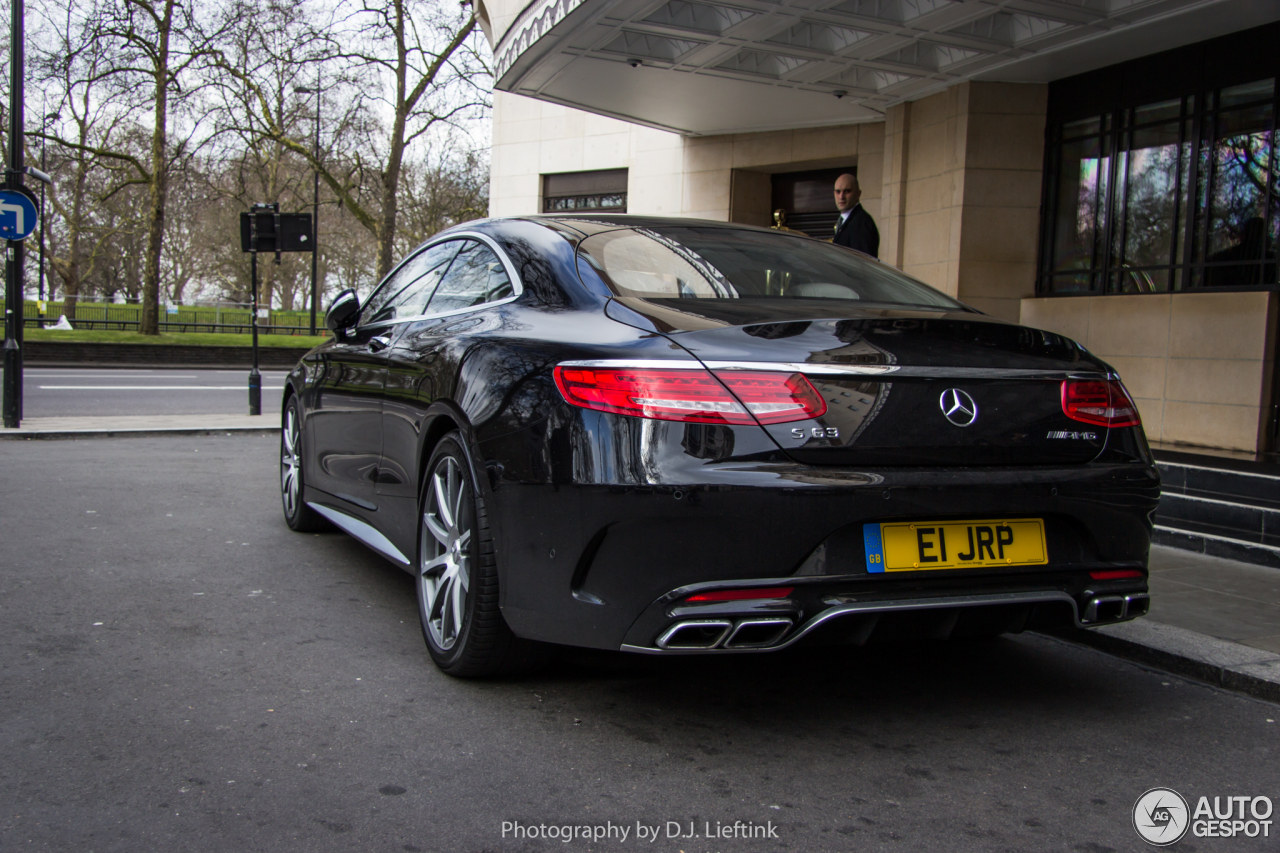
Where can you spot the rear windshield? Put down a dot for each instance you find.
(721, 263)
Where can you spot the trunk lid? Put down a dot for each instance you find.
(901, 387)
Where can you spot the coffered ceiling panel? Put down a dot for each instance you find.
(630, 43)
(819, 37)
(698, 17)
(803, 63)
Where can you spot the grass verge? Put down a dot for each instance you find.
(190, 339)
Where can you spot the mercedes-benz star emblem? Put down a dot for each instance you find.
(958, 407)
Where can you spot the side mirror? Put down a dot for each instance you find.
(343, 312)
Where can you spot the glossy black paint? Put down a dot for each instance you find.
(599, 518)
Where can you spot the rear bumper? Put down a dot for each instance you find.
(852, 622)
(606, 565)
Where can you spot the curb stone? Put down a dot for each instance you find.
(73, 434)
(1222, 663)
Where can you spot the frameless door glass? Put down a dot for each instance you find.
(1115, 256)
(1163, 111)
(475, 277)
(1238, 249)
(405, 292)
(1091, 126)
(1151, 202)
(1186, 199)
(1081, 215)
(1248, 93)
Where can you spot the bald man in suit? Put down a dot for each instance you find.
(855, 228)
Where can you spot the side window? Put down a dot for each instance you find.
(406, 291)
(475, 277)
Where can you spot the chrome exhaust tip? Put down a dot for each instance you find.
(757, 633)
(1137, 604)
(1115, 608)
(695, 634)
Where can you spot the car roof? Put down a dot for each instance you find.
(595, 223)
(585, 224)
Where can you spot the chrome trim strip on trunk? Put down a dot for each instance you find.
(922, 371)
(828, 369)
(362, 531)
(891, 605)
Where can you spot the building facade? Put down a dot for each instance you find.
(1099, 168)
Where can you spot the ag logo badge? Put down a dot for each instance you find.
(1161, 817)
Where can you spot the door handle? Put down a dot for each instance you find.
(379, 343)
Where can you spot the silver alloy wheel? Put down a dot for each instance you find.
(289, 462)
(445, 552)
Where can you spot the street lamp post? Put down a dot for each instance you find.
(315, 207)
(11, 403)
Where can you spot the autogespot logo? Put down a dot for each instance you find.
(1160, 817)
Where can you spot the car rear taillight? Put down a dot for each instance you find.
(692, 395)
(743, 594)
(1115, 574)
(1101, 402)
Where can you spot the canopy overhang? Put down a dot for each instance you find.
(700, 67)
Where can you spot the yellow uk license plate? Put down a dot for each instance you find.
(912, 546)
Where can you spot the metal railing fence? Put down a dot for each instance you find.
(216, 319)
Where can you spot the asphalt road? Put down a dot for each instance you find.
(180, 672)
(69, 392)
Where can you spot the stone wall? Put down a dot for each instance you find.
(1199, 365)
(961, 193)
(532, 138)
(727, 177)
(723, 178)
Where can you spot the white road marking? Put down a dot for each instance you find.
(107, 376)
(155, 387)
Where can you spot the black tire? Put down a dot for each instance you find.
(456, 577)
(297, 514)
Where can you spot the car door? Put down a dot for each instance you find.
(345, 424)
(418, 370)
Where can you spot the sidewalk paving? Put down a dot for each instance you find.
(1212, 619)
(1221, 598)
(141, 425)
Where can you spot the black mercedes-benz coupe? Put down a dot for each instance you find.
(671, 436)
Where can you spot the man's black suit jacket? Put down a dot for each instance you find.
(859, 232)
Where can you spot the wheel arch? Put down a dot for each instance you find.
(291, 390)
(442, 418)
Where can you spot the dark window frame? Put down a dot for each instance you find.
(1195, 75)
(602, 190)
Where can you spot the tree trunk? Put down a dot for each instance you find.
(69, 272)
(71, 292)
(149, 323)
(390, 186)
(395, 157)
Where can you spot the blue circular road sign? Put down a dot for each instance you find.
(18, 215)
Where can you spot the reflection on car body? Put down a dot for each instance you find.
(671, 437)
